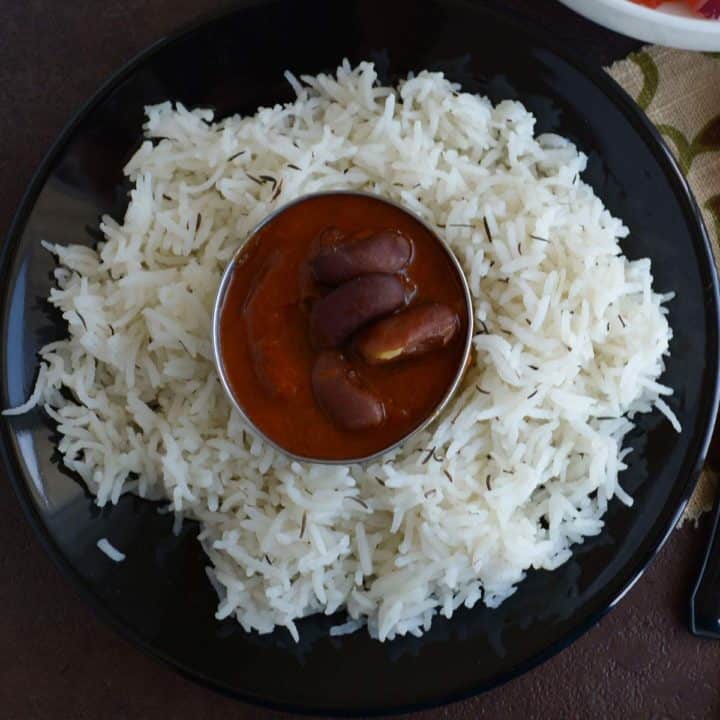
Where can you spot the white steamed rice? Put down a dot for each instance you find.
(107, 548)
(526, 457)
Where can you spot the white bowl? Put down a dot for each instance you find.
(668, 25)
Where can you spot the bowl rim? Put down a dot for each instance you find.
(9, 450)
(218, 307)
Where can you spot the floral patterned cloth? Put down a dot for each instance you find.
(680, 92)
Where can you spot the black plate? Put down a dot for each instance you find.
(159, 596)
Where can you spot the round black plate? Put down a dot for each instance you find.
(159, 597)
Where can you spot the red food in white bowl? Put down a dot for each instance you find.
(685, 24)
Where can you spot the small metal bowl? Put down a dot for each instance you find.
(220, 364)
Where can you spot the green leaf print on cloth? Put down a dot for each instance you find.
(713, 207)
(707, 140)
(683, 148)
(651, 78)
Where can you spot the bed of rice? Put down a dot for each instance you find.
(523, 463)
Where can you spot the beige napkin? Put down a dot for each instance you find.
(680, 92)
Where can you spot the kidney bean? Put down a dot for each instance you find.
(339, 391)
(414, 331)
(340, 260)
(350, 306)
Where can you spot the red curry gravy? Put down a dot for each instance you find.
(265, 335)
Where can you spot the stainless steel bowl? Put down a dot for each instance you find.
(217, 350)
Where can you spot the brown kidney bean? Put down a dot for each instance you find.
(347, 308)
(340, 393)
(340, 260)
(414, 331)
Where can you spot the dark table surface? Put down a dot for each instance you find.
(57, 660)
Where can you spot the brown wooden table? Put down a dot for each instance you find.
(57, 660)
